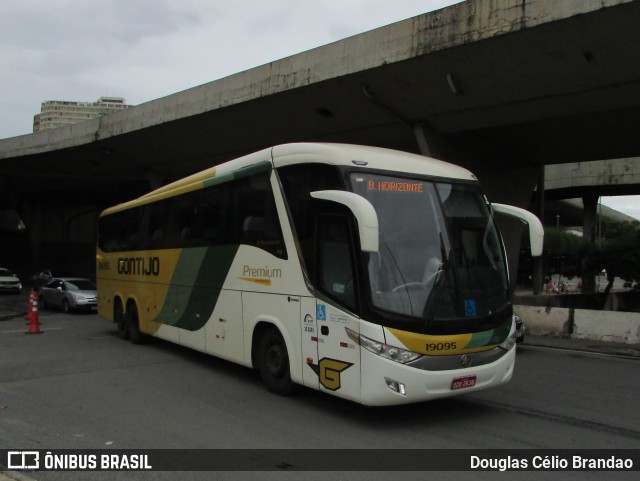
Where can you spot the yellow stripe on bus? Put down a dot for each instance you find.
(437, 345)
(256, 280)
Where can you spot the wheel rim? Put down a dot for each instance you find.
(275, 360)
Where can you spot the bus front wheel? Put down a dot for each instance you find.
(274, 363)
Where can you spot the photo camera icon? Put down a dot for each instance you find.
(23, 460)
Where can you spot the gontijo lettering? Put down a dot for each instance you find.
(139, 266)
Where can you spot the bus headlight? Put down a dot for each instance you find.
(393, 353)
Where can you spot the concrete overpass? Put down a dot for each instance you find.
(502, 87)
(603, 178)
(572, 190)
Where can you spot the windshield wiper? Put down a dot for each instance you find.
(446, 269)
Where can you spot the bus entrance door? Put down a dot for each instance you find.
(338, 356)
(309, 335)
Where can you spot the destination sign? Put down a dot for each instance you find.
(395, 186)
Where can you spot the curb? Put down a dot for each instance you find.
(584, 345)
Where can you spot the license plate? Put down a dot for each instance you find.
(463, 382)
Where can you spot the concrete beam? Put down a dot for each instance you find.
(499, 86)
(462, 24)
(613, 175)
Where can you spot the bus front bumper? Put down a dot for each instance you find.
(385, 382)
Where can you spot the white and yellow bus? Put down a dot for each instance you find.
(375, 275)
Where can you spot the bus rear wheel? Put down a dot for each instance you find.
(121, 320)
(133, 325)
(273, 359)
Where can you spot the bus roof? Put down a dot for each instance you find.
(326, 153)
(370, 157)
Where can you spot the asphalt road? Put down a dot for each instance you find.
(78, 386)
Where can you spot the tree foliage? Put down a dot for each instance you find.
(617, 252)
(564, 251)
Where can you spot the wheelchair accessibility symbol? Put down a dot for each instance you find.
(470, 307)
(321, 312)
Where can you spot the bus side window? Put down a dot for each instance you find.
(211, 215)
(120, 231)
(297, 183)
(257, 218)
(157, 225)
(335, 275)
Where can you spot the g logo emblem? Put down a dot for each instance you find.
(328, 371)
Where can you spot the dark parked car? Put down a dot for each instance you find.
(8, 281)
(69, 294)
(47, 275)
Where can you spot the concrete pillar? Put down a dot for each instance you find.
(430, 142)
(509, 183)
(62, 235)
(31, 214)
(590, 203)
(503, 179)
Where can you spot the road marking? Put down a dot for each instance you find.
(43, 330)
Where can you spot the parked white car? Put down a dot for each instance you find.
(9, 282)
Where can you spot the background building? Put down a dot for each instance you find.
(57, 113)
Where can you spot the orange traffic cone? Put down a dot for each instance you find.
(32, 314)
(29, 305)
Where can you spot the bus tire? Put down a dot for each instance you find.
(133, 325)
(273, 363)
(120, 319)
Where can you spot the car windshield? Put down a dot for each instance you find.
(440, 255)
(5, 273)
(80, 285)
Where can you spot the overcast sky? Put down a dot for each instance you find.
(145, 49)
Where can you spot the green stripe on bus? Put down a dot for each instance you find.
(490, 337)
(194, 292)
(264, 166)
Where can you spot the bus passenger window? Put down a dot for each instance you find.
(335, 264)
(257, 215)
(211, 215)
(119, 231)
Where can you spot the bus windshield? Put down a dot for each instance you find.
(440, 256)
